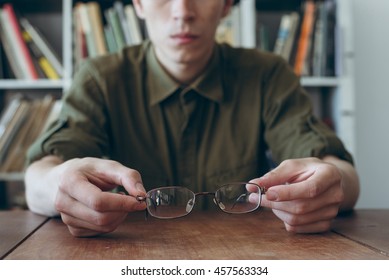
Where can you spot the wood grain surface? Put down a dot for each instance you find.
(200, 235)
(15, 227)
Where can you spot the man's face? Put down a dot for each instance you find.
(182, 31)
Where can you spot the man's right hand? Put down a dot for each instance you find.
(83, 197)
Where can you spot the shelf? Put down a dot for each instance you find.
(33, 84)
(12, 177)
(320, 81)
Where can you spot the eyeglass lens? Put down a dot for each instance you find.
(170, 202)
(238, 198)
(174, 202)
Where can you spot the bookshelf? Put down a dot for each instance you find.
(336, 92)
(55, 19)
(50, 17)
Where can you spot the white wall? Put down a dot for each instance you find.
(371, 36)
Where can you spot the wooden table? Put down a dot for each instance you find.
(363, 234)
(15, 227)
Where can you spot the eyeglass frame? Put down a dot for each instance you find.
(261, 189)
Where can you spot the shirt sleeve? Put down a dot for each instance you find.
(81, 129)
(291, 128)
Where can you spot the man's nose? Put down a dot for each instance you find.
(183, 9)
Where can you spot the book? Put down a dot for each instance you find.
(304, 38)
(113, 20)
(8, 114)
(119, 8)
(109, 37)
(133, 24)
(320, 42)
(2, 64)
(12, 129)
(80, 49)
(228, 30)
(28, 131)
(283, 34)
(290, 41)
(14, 69)
(308, 61)
(43, 44)
(52, 115)
(82, 10)
(262, 41)
(332, 48)
(42, 64)
(15, 147)
(96, 25)
(18, 43)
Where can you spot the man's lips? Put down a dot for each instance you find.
(184, 38)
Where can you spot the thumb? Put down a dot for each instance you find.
(272, 178)
(288, 172)
(275, 180)
(132, 183)
(121, 175)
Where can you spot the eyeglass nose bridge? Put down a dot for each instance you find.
(217, 203)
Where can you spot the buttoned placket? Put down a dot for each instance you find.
(187, 160)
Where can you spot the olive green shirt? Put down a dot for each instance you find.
(125, 107)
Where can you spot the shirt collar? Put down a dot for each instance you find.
(209, 84)
(161, 85)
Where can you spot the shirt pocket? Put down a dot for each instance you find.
(241, 173)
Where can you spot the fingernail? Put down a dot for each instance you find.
(139, 187)
(271, 195)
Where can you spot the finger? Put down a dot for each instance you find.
(120, 175)
(287, 172)
(321, 226)
(333, 196)
(257, 198)
(303, 190)
(323, 214)
(82, 232)
(69, 206)
(318, 183)
(82, 228)
(94, 198)
(309, 178)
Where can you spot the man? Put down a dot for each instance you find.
(181, 110)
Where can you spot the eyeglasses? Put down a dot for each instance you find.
(175, 202)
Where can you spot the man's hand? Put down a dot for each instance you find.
(83, 199)
(306, 194)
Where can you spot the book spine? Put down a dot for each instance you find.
(9, 50)
(96, 23)
(119, 8)
(113, 20)
(82, 10)
(319, 51)
(108, 33)
(42, 61)
(20, 44)
(80, 48)
(287, 52)
(13, 128)
(303, 43)
(283, 33)
(133, 24)
(7, 114)
(43, 45)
